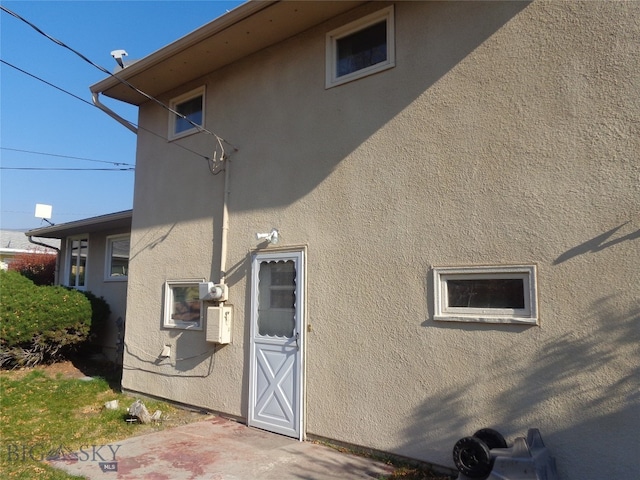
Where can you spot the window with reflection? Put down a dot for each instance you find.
(117, 262)
(182, 304)
(77, 255)
(492, 294)
(277, 298)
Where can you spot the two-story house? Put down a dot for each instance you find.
(393, 223)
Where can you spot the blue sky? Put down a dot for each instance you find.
(35, 117)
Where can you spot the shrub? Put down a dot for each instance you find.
(100, 312)
(39, 324)
(40, 268)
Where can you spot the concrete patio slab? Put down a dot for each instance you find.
(218, 449)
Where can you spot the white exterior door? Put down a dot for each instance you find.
(277, 340)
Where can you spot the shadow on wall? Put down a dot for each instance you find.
(182, 362)
(295, 153)
(580, 389)
(150, 240)
(596, 244)
(305, 152)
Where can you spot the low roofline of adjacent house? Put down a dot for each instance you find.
(44, 250)
(246, 29)
(109, 221)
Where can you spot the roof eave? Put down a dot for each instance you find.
(114, 221)
(230, 18)
(237, 34)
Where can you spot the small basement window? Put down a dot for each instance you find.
(191, 106)
(491, 294)
(360, 48)
(182, 304)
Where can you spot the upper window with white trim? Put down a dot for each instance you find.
(491, 294)
(360, 48)
(117, 258)
(190, 106)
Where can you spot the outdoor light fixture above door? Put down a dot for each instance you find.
(271, 237)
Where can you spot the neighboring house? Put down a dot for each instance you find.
(94, 256)
(14, 242)
(454, 187)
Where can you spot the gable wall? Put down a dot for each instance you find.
(504, 135)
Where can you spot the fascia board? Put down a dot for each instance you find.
(115, 220)
(225, 21)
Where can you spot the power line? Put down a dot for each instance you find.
(70, 214)
(127, 169)
(66, 156)
(48, 83)
(219, 139)
(52, 85)
(208, 159)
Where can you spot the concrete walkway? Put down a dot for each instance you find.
(218, 449)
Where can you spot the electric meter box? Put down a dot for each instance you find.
(213, 292)
(219, 324)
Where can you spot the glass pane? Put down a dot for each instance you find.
(486, 293)
(185, 304)
(192, 109)
(78, 262)
(362, 49)
(119, 257)
(277, 298)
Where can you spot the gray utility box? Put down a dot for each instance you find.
(527, 459)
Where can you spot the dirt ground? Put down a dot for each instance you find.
(81, 368)
(66, 369)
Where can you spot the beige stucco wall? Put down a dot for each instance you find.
(507, 133)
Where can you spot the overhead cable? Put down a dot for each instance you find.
(208, 159)
(48, 83)
(66, 156)
(124, 82)
(127, 169)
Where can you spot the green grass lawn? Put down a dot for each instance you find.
(40, 414)
(43, 413)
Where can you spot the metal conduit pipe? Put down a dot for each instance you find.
(225, 225)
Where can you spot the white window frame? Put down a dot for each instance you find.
(108, 256)
(527, 315)
(175, 102)
(332, 79)
(168, 322)
(68, 257)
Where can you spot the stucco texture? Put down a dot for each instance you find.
(507, 133)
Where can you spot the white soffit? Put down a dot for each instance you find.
(247, 29)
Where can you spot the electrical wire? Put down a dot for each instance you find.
(128, 169)
(208, 159)
(66, 156)
(124, 82)
(48, 83)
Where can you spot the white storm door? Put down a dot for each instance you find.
(277, 306)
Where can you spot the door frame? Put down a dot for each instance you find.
(298, 255)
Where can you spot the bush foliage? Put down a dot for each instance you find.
(39, 324)
(38, 267)
(100, 313)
